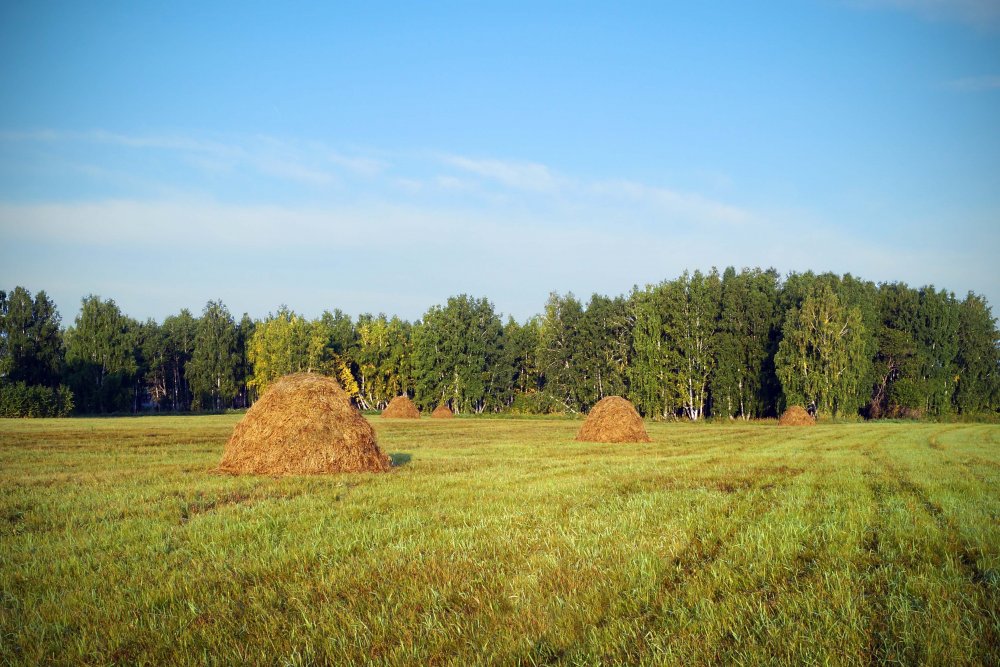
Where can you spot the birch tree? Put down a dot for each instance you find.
(179, 332)
(936, 332)
(279, 346)
(605, 342)
(456, 349)
(215, 359)
(560, 351)
(743, 380)
(694, 330)
(654, 359)
(978, 358)
(101, 355)
(382, 358)
(821, 357)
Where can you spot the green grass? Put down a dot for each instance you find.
(504, 542)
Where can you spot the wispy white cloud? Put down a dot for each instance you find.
(452, 183)
(365, 166)
(685, 205)
(585, 199)
(423, 215)
(330, 174)
(293, 171)
(410, 186)
(142, 225)
(160, 142)
(306, 164)
(407, 257)
(975, 84)
(529, 176)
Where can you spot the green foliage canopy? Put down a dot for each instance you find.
(212, 370)
(821, 357)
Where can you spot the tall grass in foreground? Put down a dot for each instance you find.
(504, 542)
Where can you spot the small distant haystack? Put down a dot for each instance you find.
(442, 412)
(796, 415)
(401, 407)
(303, 424)
(613, 419)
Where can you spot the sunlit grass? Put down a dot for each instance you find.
(503, 541)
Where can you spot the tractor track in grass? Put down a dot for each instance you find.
(843, 544)
(965, 557)
(700, 554)
(875, 585)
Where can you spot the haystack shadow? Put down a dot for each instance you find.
(399, 459)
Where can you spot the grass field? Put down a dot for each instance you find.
(503, 541)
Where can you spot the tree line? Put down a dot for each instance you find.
(736, 344)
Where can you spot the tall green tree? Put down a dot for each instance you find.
(604, 346)
(674, 344)
(694, 334)
(100, 353)
(339, 337)
(178, 336)
(978, 358)
(215, 359)
(653, 373)
(936, 334)
(343, 335)
(743, 382)
(154, 367)
(863, 295)
(898, 389)
(281, 345)
(797, 286)
(383, 359)
(560, 352)
(455, 352)
(31, 345)
(822, 355)
(244, 370)
(519, 367)
(6, 358)
(288, 343)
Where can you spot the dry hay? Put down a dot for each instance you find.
(401, 407)
(303, 424)
(442, 412)
(796, 415)
(613, 419)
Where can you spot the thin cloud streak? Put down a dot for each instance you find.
(329, 174)
(529, 176)
(315, 166)
(689, 206)
(425, 227)
(147, 225)
(209, 250)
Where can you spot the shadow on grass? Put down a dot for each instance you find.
(399, 459)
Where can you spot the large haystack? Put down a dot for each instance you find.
(613, 419)
(401, 407)
(303, 424)
(442, 412)
(796, 415)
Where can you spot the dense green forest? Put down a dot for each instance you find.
(740, 344)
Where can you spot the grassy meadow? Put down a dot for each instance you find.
(504, 541)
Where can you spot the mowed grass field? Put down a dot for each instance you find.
(503, 541)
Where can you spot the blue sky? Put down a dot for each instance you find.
(380, 157)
